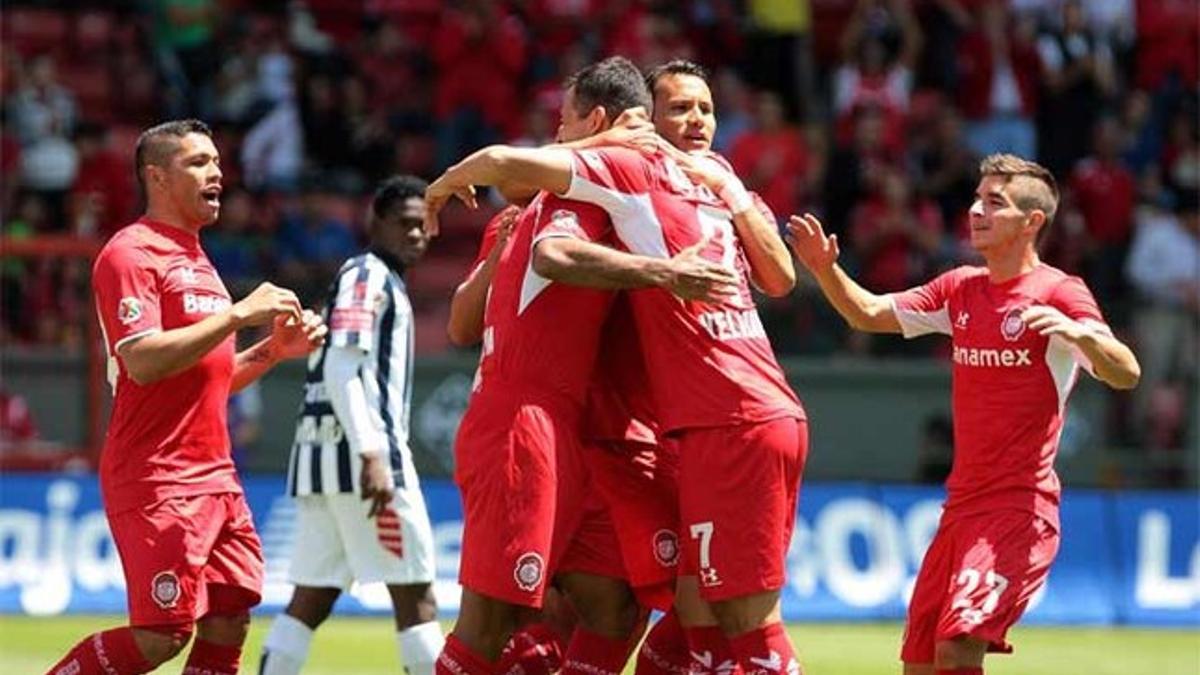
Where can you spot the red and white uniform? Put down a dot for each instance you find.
(173, 498)
(632, 468)
(539, 348)
(999, 531)
(712, 374)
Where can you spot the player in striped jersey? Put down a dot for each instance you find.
(360, 513)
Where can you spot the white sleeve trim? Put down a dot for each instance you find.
(136, 336)
(349, 400)
(915, 324)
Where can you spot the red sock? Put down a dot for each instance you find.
(102, 653)
(210, 658)
(535, 649)
(711, 653)
(665, 650)
(458, 659)
(959, 671)
(766, 650)
(594, 654)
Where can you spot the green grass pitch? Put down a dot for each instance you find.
(352, 645)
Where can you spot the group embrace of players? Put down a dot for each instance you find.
(631, 443)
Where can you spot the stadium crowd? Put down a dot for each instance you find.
(873, 113)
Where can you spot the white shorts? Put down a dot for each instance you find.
(336, 544)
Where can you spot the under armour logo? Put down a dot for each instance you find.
(961, 321)
(188, 275)
(709, 577)
(703, 664)
(773, 662)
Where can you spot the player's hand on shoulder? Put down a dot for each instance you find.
(1047, 320)
(816, 250)
(632, 129)
(693, 277)
(376, 482)
(264, 304)
(294, 339)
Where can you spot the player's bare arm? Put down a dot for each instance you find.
(500, 166)
(465, 325)
(1112, 361)
(582, 263)
(818, 252)
(160, 355)
(771, 267)
(289, 339)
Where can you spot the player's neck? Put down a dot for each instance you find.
(1008, 265)
(169, 216)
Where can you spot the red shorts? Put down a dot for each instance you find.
(505, 459)
(738, 487)
(584, 536)
(640, 484)
(976, 579)
(175, 550)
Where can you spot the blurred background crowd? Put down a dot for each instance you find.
(871, 113)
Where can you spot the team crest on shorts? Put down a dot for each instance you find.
(528, 572)
(1012, 327)
(666, 548)
(129, 311)
(165, 589)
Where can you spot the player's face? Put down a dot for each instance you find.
(571, 125)
(192, 181)
(684, 113)
(997, 223)
(402, 234)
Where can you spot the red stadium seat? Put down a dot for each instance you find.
(92, 87)
(30, 31)
(93, 33)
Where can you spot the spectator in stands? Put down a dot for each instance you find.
(1164, 269)
(273, 149)
(43, 114)
(772, 158)
(1104, 191)
(1181, 152)
(16, 274)
(868, 75)
(997, 88)
(17, 426)
(103, 197)
(781, 58)
(480, 50)
(736, 102)
(310, 244)
(1168, 43)
(855, 170)
(184, 30)
(1078, 78)
(949, 171)
(895, 236)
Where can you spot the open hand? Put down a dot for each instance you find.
(438, 194)
(1049, 321)
(809, 242)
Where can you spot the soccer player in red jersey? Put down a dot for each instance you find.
(1020, 330)
(524, 415)
(191, 558)
(716, 385)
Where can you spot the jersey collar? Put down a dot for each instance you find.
(392, 261)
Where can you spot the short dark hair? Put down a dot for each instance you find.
(675, 67)
(614, 83)
(394, 191)
(1036, 187)
(157, 144)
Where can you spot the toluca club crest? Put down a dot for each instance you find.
(1012, 327)
(528, 572)
(165, 589)
(666, 548)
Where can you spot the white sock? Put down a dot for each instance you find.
(286, 647)
(419, 647)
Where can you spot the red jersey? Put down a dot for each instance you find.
(167, 438)
(619, 405)
(538, 335)
(708, 364)
(1010, 384)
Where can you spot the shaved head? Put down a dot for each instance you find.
(157, 145)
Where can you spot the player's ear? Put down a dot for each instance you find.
(597, 119)
(1035, 221)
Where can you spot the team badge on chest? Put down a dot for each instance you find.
(1011, 326)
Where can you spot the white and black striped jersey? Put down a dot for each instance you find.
(367, 310)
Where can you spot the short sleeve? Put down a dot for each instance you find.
(358, 300)
(611, 178)
(126, 286)
(558, 217)
(1073, 299)
(924, 309)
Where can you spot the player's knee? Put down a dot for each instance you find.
(961, 652)
(311, 606)
(413, 604)
(160, 644)
(742, 615)
(605, 606)
(225, 629)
